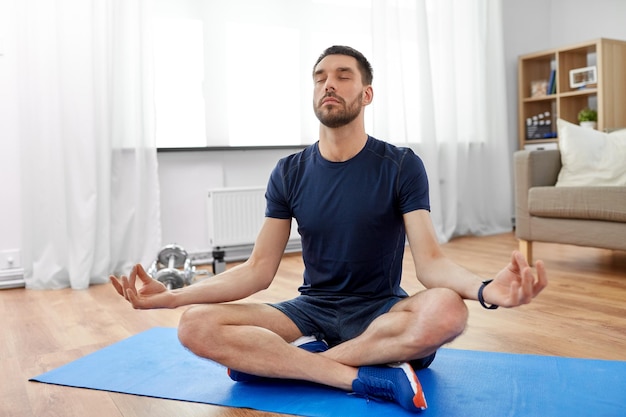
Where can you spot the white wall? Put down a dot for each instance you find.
(185, 178)
(528, 26)
(582, 20)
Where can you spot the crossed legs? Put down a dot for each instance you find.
(253, 338)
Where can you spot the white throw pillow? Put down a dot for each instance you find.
(590, 157)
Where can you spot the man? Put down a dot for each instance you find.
(355, 199)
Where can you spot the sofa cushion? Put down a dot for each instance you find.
(590, 157)
(597, 203)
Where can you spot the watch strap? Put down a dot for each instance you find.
(481, 299)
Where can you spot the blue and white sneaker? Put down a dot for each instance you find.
(396, 382)
(308, 343)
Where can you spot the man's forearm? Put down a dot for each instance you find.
(442, 272)
(232, 285)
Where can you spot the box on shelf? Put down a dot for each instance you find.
(539, 126)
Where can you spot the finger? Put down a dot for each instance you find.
(134, 300)
(127, 287)
(520, 260)
(143, 275)
(528, 282)
(133, 277)
(542, 277)
(117, 285)
(124, 286)
(515, 294)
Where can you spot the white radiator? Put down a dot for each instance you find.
(235, 216)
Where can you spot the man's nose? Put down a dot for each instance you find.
(329, 85)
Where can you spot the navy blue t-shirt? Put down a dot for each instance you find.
(349, 215)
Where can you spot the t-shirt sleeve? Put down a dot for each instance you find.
(413, 184)
(276, 202)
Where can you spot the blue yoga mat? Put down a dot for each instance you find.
(458, 383)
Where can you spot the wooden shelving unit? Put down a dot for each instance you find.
(607, 95)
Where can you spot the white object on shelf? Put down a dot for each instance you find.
(541, 146)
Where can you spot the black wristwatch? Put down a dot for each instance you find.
(482, 300)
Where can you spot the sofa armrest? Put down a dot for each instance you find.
(532, 169)
(538, 168)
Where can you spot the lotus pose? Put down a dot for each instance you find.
(356, 199)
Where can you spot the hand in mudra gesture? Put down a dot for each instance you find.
(516, 283)
(152, 294)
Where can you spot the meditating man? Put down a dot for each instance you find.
(355, 199)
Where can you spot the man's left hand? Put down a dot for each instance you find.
(516, 284)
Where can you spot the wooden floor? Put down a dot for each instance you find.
(581, 314)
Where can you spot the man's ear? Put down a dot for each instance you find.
(368, 95)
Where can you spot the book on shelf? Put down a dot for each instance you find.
(552, 82)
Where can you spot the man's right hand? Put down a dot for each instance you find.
(152, 294)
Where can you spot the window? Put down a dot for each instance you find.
(238, 73)
(179, 75)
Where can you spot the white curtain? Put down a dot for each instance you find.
(89, 167)
(442, 90)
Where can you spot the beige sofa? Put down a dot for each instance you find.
(586, 216)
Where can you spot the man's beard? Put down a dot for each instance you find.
(335, 117)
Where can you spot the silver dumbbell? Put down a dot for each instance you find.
(172, 256)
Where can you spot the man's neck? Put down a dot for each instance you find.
(342, 143)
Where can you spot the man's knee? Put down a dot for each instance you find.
(449, 310)
(195, 330)
(441, 316)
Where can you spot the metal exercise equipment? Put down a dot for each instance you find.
(167, 267)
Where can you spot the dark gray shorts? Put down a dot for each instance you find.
(336, 319)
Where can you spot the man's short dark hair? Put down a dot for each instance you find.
(367, 74)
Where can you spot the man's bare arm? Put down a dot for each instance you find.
(252, 276)
(514, 285)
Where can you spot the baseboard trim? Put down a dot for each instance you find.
(12, 278)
